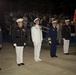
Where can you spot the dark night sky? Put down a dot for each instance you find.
(38, 4)
(56, 6)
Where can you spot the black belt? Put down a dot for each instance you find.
(18, 37)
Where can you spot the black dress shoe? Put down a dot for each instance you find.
(66, 53)
(55, 56)
(52, 56)
(22, 64)
(0, 68)
(19, 64)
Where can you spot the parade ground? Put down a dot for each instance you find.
(62, 65)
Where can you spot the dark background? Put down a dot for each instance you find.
(66, 7)
(53, 6)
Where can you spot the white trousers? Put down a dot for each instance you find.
(0, 59)
(37, 49)
(66, 46)
(19, 54)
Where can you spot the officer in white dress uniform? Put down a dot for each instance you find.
(37, 38)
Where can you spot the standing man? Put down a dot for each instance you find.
(59, 33)
(66, 32)
(18, 36)
(0, 44)
(36, 33)
(52, 38)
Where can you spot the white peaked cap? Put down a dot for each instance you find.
(19, 20)
(36, 19)
(67, 20)
(54, 21)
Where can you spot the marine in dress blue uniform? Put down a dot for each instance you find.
(66, 33)
(18, 37)
(0, 39)
(52, 38)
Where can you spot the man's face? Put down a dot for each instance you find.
(20, 24)
(37, 22)
(54, 24)
(61, 24)
(67, 23)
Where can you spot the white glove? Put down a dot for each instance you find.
(63, 38)
(24, 43)
(49, 42)
(14, 44)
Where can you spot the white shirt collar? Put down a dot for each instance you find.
(37, 25)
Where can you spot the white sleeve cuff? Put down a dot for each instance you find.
(14, 44)
(24, 43)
